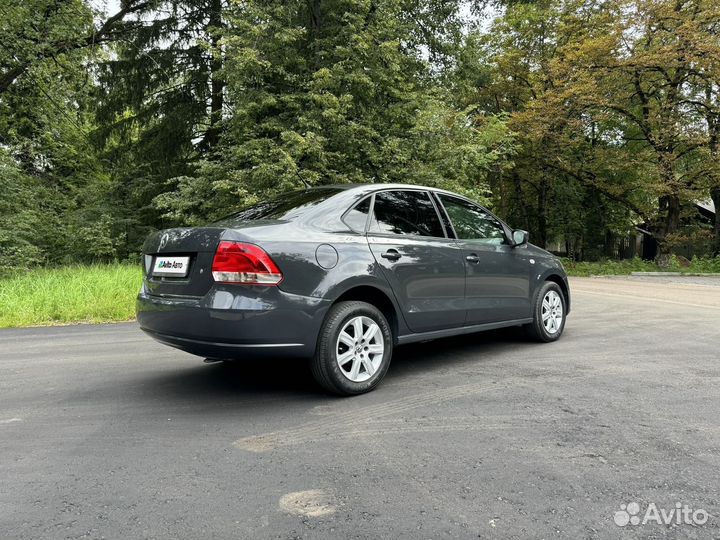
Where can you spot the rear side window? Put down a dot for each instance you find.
(405, 213)
(356, 217)
(472, 222)
(286, 206)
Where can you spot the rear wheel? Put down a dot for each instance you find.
(549, 313)
(354, 349)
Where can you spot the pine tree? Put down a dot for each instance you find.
(338, 91)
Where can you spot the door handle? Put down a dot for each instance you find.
(391, 255)
(472, 258)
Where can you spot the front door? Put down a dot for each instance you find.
(424, 268)
(498, 274)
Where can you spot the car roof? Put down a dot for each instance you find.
(379, 187)
(348, 194)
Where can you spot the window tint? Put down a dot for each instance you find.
(472, 222)
(405, 212)
(287, 206)
(356, 217)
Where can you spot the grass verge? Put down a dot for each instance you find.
(698, 265)
(72, 294)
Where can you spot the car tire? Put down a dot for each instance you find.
(549, 314)
(346, 363)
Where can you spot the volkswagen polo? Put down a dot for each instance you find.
(341, 275)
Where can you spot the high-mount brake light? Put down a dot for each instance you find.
(237, 262)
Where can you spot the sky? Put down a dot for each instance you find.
(108, 6)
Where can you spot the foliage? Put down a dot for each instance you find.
(698, 265)
(159, 103)
(73, 294)
(35, 33)
(336, 92)
(53, 180)
(639, 81)
(575, 119)
(608, 267)
(18, 220)
(616, 105)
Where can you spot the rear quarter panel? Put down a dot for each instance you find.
(309, 268)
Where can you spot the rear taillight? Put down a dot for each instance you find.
(236, 262)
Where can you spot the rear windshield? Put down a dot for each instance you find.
(287, 206)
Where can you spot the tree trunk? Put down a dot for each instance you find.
(315, 15)
(9, 77)
(669, 205)
(217, 83)
(520, 200)
(713, 121)
(542, 215)
(715, 193)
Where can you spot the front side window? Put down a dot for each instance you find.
(405, 213)
(471, 222)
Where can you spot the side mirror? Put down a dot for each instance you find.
(520, 237)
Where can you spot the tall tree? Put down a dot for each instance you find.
(605, 96)
(332, 91)
(712, 115)
(161, 103)
(548, 189)
(52, 178)
(641, 74)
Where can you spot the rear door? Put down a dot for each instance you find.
(498, 275)
(424, 268)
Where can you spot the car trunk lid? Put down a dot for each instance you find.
(195, 248)
(178, 262)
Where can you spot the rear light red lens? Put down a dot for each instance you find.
(236, 262)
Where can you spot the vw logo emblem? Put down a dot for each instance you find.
(164, 240)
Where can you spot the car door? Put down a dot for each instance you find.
(424, 267)
(498, 274)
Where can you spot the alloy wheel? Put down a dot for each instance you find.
(552, 312)
(359, 349)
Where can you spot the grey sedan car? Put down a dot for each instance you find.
(340, 275)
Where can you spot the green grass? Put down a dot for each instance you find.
(698, 265)
(72, 294)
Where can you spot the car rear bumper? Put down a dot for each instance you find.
(234, 321)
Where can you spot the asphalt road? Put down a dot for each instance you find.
(106, 434)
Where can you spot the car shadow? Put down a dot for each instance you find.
(223, 383)
(420, 358)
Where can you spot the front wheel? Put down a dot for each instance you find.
(354, 349)
(549, 313)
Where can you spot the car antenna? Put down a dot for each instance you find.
(307, 186)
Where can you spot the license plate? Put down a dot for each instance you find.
(171, 266)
